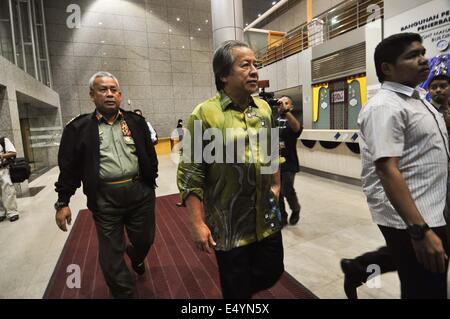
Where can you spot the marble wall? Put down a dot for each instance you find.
(160, 51)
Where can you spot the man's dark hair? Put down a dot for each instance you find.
(388, 50)
(444, 77)
(223, 60)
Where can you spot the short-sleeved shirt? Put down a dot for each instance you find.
(9, 147)
(399, 122)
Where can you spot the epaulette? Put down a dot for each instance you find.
(76, 118)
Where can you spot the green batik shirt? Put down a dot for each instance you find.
(227, 168)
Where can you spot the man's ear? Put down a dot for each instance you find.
(387, 69)
(223, 79)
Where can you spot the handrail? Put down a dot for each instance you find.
(338, 20)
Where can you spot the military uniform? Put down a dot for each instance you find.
(117, 164)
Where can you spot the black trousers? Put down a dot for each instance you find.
(246, 270)
(381, 257)
(129, 207)
(416, 281)
(288, 191)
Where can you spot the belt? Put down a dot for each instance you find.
(124, 181)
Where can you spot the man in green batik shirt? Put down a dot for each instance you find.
(229, 180)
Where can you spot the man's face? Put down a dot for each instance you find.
(284, 104)
(106, 95)
(243, 78)
(439, 91)
(411, 67)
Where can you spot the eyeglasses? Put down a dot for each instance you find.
(442, 86)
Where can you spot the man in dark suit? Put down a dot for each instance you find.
(111, 152)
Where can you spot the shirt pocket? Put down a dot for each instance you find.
(128, 140)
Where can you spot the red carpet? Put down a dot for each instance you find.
(175, 270)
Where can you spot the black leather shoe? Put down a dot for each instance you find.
(138, 268)
(295, 217)
(351, 279)
(2, 218)
(14, 218)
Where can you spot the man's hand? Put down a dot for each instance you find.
(430, 252)
(276, 191)
(201, 235)
(62, 215)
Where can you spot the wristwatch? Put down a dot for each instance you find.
(59, 205)
(417, 232)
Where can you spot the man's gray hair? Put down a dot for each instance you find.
(223, 60)
(101, 74)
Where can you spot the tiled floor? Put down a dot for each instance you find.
(334, 224)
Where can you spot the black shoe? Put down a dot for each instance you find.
(14, 218)
(2, 218)
(138, 268)
(295, 217)
(351, 279)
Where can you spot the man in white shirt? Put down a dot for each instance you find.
(8, 202)
(405, 157)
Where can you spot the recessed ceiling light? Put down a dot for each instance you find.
(199, 29)
(259, 14)
(100, 23)
(182, 47)
(206, 21)
(274, 3)
(192, 38)
(178, 19)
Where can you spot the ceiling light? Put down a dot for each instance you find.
(259, 14)
(178, 19)
(274, 3)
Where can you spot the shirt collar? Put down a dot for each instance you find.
(435, 104)
(101, 118)
(226, 102)
(417, 93)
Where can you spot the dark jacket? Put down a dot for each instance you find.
(79, 156)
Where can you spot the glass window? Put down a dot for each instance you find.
(6, 48)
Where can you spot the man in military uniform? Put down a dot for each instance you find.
(111, 152)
